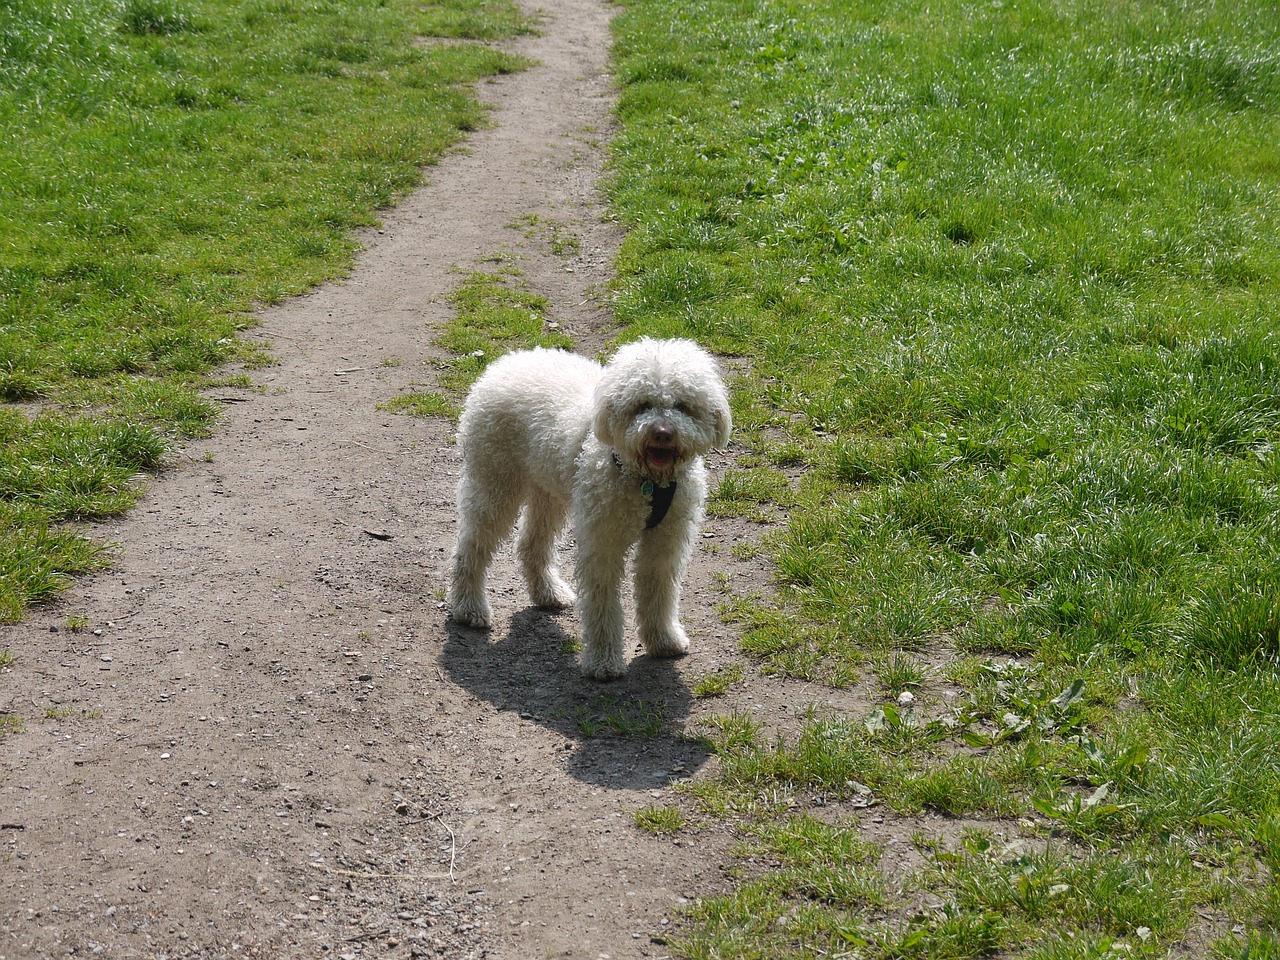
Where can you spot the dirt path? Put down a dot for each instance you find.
(269, 742)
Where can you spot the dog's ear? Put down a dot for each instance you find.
(724, 422)
(602, 418)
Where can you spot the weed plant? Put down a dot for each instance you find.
(1005, 280)
(169, 165)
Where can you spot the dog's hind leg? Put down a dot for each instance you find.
(661, 557)
(544, 516)
(486, 514)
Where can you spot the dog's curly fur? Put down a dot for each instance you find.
(560, 435)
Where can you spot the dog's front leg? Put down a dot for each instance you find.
(661, 558)
(600, 565)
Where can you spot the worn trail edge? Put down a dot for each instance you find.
(269, 741)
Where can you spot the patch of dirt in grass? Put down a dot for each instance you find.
(293, 753)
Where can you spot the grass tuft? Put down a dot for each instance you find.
(495, 313)
(423, 405)
(660, 820)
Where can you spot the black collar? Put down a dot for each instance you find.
(659, 497)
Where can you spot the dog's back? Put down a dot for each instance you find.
(529, 413)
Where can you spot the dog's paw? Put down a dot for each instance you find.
(554, 594)
(604, 672)
(472, 614)
(605, 667)
(672, 642)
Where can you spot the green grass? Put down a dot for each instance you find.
(718, 682)
(71, 713)
(419, 404)
(624, 716)
(1006, 280)
(170, 165)
(558, 238)
(660, 820)
(495, 312)
(899, 673)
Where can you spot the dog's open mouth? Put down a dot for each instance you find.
(659, 459)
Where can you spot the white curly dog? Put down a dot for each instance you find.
(620, 447)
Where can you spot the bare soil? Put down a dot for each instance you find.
(269, 741)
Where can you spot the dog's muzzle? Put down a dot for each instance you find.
(660, 452)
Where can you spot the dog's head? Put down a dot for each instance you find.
(660, 403)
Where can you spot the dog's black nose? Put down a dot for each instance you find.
(662, 435)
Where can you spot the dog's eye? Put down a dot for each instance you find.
(685, 408)
(644, 406)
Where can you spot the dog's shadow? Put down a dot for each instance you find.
(628, 733)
